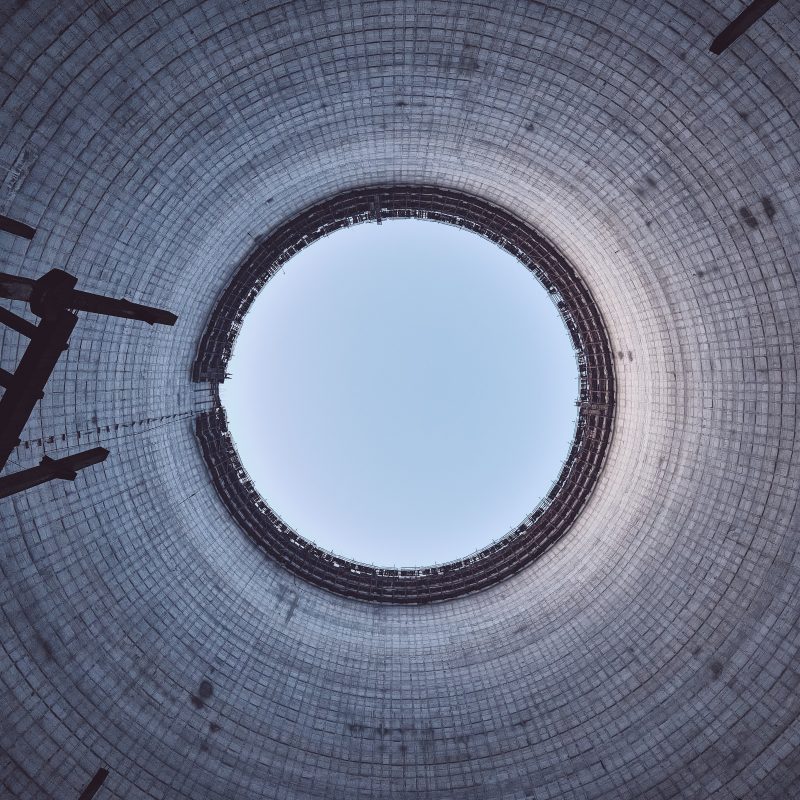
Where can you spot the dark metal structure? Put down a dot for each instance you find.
(94, 784)
(56, 291)
(16, 227)
(740, 24)
(51, 469)
(52, 297)
(543, 526)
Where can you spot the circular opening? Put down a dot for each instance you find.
(402, 394)
(546, 523)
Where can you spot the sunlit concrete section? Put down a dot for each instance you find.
(151, 649)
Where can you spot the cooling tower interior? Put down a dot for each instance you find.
(652, 650)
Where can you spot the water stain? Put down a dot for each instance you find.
(354, 727)
(104, 13)
(747, 216)
(468, 62)
(204, 692)
(768, 206)
(520, 629)
(46, 647)
(292, 606)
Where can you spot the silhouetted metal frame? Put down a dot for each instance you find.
(546, 523)
(52, 297)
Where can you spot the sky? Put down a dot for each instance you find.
(402, 394)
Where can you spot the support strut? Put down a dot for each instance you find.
(54, 298)
(738, 26)
(50, 469)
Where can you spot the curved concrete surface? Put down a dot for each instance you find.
(652, 653)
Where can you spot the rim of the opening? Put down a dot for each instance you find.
(552, 517)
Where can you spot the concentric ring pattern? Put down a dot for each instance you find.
(546, 521)
(652, 651)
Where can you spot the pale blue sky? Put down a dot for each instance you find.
(402, 394)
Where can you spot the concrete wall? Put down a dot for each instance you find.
(653, 652)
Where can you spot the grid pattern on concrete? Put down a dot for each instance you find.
(652, 652)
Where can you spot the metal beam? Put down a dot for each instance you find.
(55, 291)
(30, 377)
(16, 322)
(737, 27)
(95, 303)
(16, 227)
(52, 297)
(13, 287)
(94, 784)
(50, 469)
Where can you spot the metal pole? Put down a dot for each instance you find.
(738, 26)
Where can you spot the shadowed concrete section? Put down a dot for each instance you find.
(652, 653)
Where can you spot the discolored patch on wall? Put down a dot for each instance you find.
(354, 727)
(747, 217)
(468, 62)
(204, 692)
(292, 606)
(47, 648)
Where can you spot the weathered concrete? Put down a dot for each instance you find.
(653, 652)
